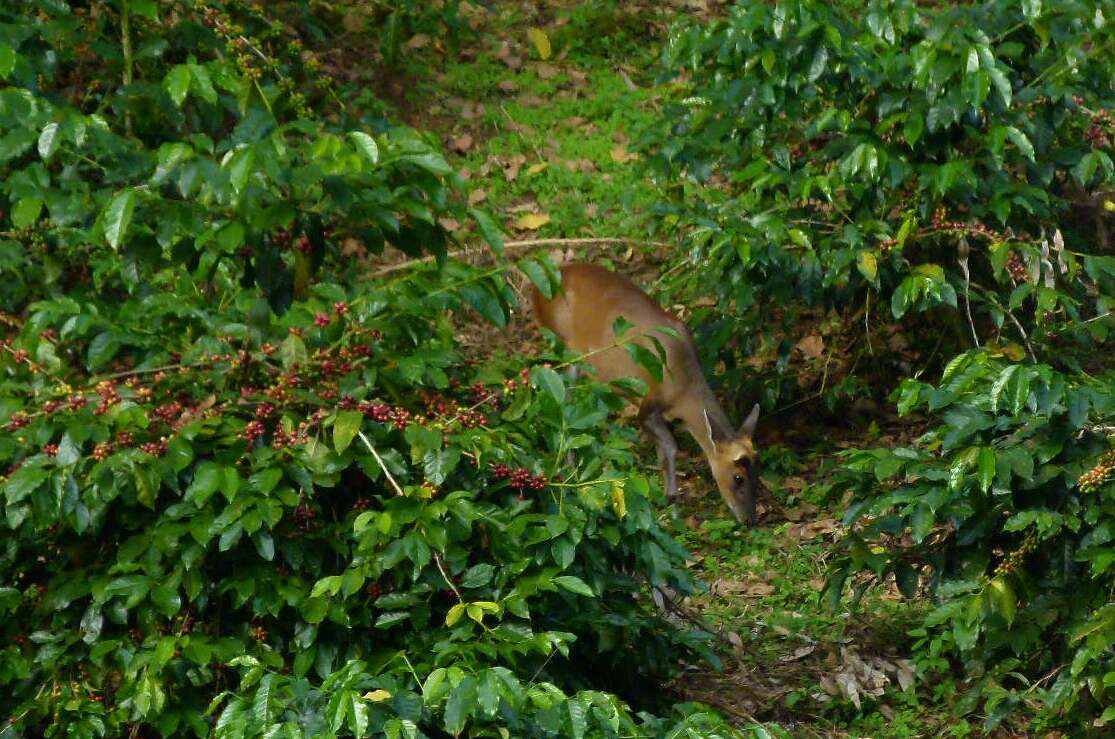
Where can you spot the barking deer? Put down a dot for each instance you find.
(583, 314)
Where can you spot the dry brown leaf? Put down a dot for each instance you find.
(759, 589)
(532, 221)
(546, 71)
(575, 121)
(621, 155)
(800, 652)
(418, 41)
(529, 206)
(449, 224)
(812, 346)
(511, 60)
(530, 100)
(461, 144)
(577, 77)
(512, 167)
(509, 86)
(591, 210)
(536, 168)
(477, 196)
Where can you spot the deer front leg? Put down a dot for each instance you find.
(657, 427)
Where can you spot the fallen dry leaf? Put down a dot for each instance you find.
(546, 71)
(418, 41)
(532, 221)
(541, 43)
(530, 100)
(812, 346)
(621, 155)
(477, 196)
(512, 167)
(449, 224)
(509, 86)
(759, 589)
(536, 168)
(461, 144)
(800, 652)
(513, 62)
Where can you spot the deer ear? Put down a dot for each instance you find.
(708, 429)
(748, 427)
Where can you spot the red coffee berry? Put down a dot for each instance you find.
(340, 308)
(252, 431)
(50, 450)
(322, 319)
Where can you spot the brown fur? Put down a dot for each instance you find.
(583, 315)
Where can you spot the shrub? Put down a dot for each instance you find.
(897, 159)
(1002, 510)
(240, 477)
(953, 163)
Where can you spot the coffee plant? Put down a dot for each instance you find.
(944, 171)
(900, 161)
(247, 491)
(1003, 511)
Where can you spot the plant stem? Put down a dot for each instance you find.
(126, 44)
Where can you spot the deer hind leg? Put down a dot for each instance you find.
(659, 430)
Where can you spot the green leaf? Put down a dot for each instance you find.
(326, 586)
(1022, 141)
(345, 429)
(102, 348)
(202, 83)
(477, 576)
(177, 83)
(868, 264)
(7, 60)
(986, 466)
(490, 232)
(167, 600)
(358, 711)
(49, 140)
(207, 479)
(240, 168)
(366, 145)
(574, 585)
(23, 482)
(461, 704)
(1003, 598)
(293, 351)
(547, 379)
(438, 464)
(118, 216)
(26, 212)
(539, 277)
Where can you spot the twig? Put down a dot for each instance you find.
(867, 323)
(518, 129)
(382, 466)
(444, 574)
(962, 260)
(523, 244)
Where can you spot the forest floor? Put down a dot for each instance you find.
(545, 143)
